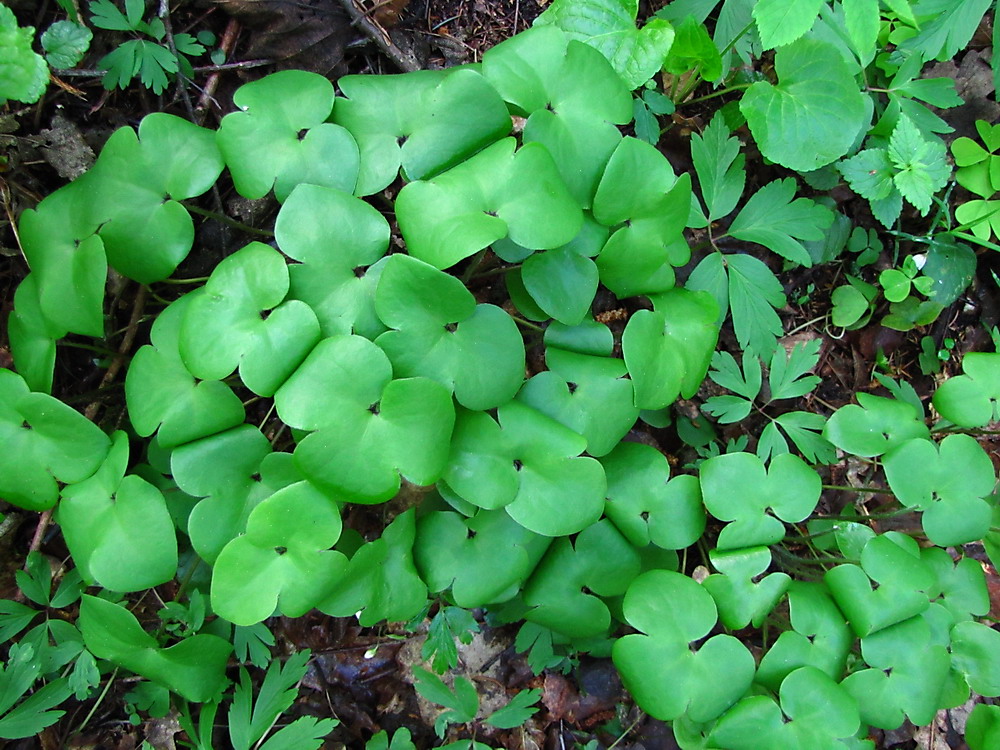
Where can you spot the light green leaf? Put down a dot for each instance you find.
(949, 27)
(869, 173)
(23, 73)
(780, 22)
(813, 115)
(719, 165)
(65, 43)
(921, 164)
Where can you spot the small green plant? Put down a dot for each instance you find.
(979, 173)
(24, 74)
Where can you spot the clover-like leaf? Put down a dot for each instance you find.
(907, 676)
(961, 585)
(647, 505)
(491, 195)
(609, 26)
(483, 559)
(819, 637)
(564, 593)
(948, 482)
(529, 464)
(194, 668)
(44, 441)
(571, 96)
(283, 561)
(117, 527)
(874, 425)
(67, 258)
(141, 178)
(424, 122)
(667, 350)
(969, 400)
(381, 582)
(369, 428)
(442, 334)
(563, 281)
(590, 395)
(238, 320)
(280, 138)
(737, 488)
(32, 337)
(813, 115)
(975, 654)
(741, 591)
(667, 678)
(163, 396)
(337, 238)
(901, 584)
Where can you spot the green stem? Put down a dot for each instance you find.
(848, 488)
(720, 92)
(97, 703)
(496, 271)
(527, 324)
(473, 265)
(736, 38)
(195, 280)
(226, 220)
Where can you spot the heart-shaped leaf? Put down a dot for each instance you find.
(280, 138)
(590, 395)
(962, 585)
(117, 527)
(237, 320)
(530, 465)
(336, 237)
(67, 258)
(483, 559)
(381, 582)
(667, 350)
(742, 593)
(609, 26)
(44, 441)
(907, 676)
(162, 395)
(645, 504)
(493, 194)
(146, 231)
(424, 121)
(442, 334)
(563, 283)
(788, 488)
(564, 591)
(819, 637)
(813, 115)
(901, 584)
(814, 712)
(948, 482)
(969, 400)
(369, 428)
(666, 678)
(283, 561)
(195, 668)
(975, 654)
(32, 337)
(874, 425)
(571, 96)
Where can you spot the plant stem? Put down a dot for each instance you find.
(93, 709)
(736, 38)
(527, 324)
(195, 280)
(226, 220)
(720, 92)
(848, 488)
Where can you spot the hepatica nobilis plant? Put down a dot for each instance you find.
(401, 372)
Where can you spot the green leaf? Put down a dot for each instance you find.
(869, 173)
(657, 665)
(23, 74)
(813, 115)
(276, 694)
(491, 195)
(774, 219)
(239, 320)
(862, 19)
(562, 281)
(14, 617)
(741, 591)
(449, 624)
(805, 430)
(969, 400)
(788, 489)
(719, 165)
(44, 441)
(727, 373)
(65, 43)
(305, 733)
(517, 711)
(193, 668)
(781, 23)
(950, 26)
(609, 26)
(788, 374)
(462, 700)
(982, 730)
(424, 122)
(668, 350)
(117, 527)
(921, 164)
(754, 293)
(32, 337)
(693, 49)
(874, 425)
(280, 138)
(105, 15)
(440, 333)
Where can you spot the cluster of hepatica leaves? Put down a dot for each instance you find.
(387, 369)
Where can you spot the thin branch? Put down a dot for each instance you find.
(405, 61)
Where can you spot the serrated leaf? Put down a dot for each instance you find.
(921, 164)
(774, 218)
(780, 22)
(65, 43)
(869, 173)
(23, 73)
(719, 165)
(788, 377)
(813, 115)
